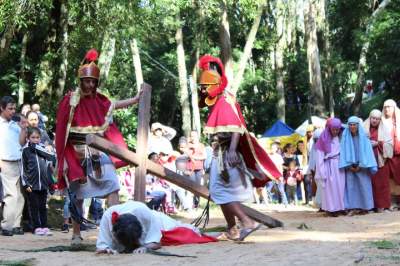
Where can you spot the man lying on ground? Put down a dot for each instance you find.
(133, 227)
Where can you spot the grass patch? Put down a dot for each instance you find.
(214, 229)
(384, 244)
(79, 248)
(26, 262)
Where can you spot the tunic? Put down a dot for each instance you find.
(331, 178)
(358, 189)
(380, 181)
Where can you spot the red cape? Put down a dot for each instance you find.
(226, 116)
(183, 235)
(90, 116)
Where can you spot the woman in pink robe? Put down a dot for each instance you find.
(328, 174)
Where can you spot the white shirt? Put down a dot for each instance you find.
(159, 144)
(10, 148)
(152, 223)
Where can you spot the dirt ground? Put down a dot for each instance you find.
(308, 238)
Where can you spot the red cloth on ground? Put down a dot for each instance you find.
(380, 181)
(183, 235)
(90, 112)
(226, 116)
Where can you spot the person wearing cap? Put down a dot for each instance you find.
(236, 153)
(87, 172)
(382, 144)
(391, 118)
(160, 139)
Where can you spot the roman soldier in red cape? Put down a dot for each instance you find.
(239, 162)
(86, 171)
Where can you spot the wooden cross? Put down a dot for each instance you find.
(162, 172)
(142, 140)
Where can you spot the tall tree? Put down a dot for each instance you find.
(183, 81)
(63, 49)
(251, 37)
(314, 67)
(362, 63)
(106, 56)
(137, 64)
(225, 43)
(45, 73)
(22, 61)
(279, 52)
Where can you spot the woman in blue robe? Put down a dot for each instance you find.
(358, 161)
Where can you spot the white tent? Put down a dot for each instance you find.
(318, 122)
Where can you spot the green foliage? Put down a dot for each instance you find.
(153, 24)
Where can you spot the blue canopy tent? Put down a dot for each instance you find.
(281, 131)
(278, 129)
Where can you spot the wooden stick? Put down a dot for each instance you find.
(162, 172)
(142, 137)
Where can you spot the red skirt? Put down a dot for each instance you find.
(381, 187)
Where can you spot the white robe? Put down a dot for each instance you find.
(152, 222)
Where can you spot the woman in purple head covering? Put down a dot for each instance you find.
(328, 175)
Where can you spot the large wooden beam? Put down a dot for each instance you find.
(162, 172)
(142, 139)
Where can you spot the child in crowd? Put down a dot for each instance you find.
(279, 183)
(292, 176)
(36, 179)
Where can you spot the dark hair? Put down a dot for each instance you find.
(127, 231)
(5, 100)
(32, 130)
(300, 141)
(287, 146)
(151, 155)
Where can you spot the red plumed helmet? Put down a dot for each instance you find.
(88, 68)
(214, 80)
(92, 55)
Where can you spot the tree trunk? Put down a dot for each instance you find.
(225, 42)
(63, 49)
(5, 41)
(21, 80)
(183, 85)
(279, 52)
(137, 64)
(196, 122)
(314, 68)
(247, 50)
(46, 67)
(362, 63)
(106, 57)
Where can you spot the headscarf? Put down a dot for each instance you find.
(324, 141)
(388, 121)
(384, 137)
(366, 157)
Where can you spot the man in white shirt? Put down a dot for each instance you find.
(13, 136)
